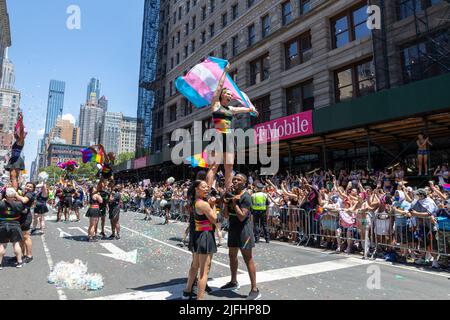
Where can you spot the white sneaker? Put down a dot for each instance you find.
(420, 261)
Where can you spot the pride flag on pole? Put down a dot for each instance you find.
(200, 83)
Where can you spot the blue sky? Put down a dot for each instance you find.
(107, 46)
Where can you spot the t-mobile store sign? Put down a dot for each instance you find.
(140, 163)
(295, 125)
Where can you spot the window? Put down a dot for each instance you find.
(259, 69)
(251, 35)
(224, 51)
(299, 98)
(234, 11)
(158, 144)
(203, 37)
(305, 6)
(211, 30)
(415, 57)
(171, 63)
(235, 44)
(407, 8)
(203, 13)
(178, 58)
(286, 9)
(174, 17)
(195, 3)
(178, 37)
(187, 106)
(250, 3)
(233, 75)
(192, 46)
(179, 13)
(186, 29)
(170, 88)
(265, 26)
(212, 5)
(172, 113)
(263, 107)
(194, 22)
(186, 51)
(298, 50)
(188, 4)
(224, 20)
(350, 26)
(173, 42)
(355, 81)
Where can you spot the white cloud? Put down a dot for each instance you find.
(69, 117)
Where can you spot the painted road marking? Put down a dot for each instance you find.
(177, 248)
(61, 294)
(175, 291)
(119, 254)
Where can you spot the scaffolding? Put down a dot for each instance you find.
(146, 97)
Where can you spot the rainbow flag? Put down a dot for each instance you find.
(200, 83)
(92, 155)
(446, 186)
(198, 160)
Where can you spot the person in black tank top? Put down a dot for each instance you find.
(16, 163)
(204, 243)
(93, 213)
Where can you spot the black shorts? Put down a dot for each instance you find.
(67, 203)
(40, 208)
(114, 212)
(241, 236)
(10, 232)
(103, 212)
(25, 224)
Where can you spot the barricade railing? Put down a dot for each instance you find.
(370, 233)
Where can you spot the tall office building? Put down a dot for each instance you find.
(66, 131)
(146, 93)
(103, 103)
(5, 32)
(9, 109)
(93, 87)
(110, 135)
(8, 75)
(90, 121)
(55, 104)
(128, 135)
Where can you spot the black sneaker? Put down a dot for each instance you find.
(189, 296)
(231, 286)
(117, 237)
(103, 236)
(33, 231)
(19, 264)
(208, 289)
(27, 259)
(254, 295)
(112, 237)
(267, 241)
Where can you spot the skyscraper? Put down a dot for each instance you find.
(110, 137)
(103, 103)
(55, 104)
(128, 135)
(147, 75)
(90, 121)
(5, 33)
(8, 76)
(93, 87)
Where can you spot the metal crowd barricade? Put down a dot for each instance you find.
(287, 223)
(411, 236)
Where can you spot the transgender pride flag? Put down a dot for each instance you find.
(200, 83)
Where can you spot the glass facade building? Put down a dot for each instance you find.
(93, 87)
(55, 104)
(146, 96)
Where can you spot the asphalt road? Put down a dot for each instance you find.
(149, 263)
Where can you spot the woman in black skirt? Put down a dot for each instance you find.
(93, 213)
(204, 242)
(40, 208)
